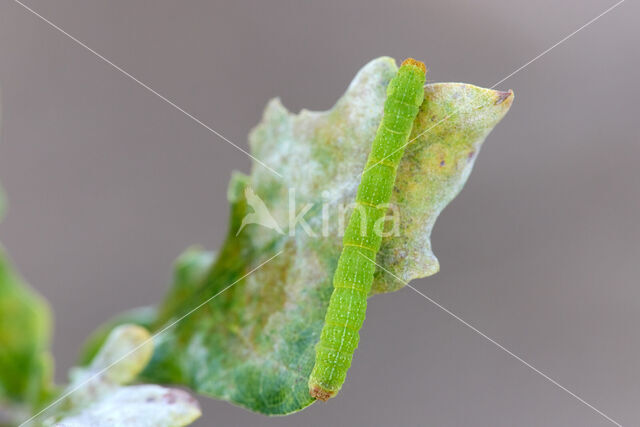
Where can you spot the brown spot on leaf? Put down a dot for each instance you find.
(502, 96)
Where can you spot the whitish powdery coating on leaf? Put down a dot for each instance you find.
(322, 155)
(454, 121)
(253, 344)
(138, 406)
(102, 399)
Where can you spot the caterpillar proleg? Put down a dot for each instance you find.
(353, 277)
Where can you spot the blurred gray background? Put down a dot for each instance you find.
(107, 184)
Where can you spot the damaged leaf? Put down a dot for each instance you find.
(252, 342)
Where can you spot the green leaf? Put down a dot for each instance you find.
(25, 362)
(26, 366)
(253, 342)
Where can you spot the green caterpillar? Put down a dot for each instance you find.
(353, 277)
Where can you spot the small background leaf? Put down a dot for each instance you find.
(26, 366)
(100, 396)
(25, 362)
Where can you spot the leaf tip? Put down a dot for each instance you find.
(502, 97)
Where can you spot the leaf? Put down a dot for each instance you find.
(253, 343)
(98, 394)
(140, 405)
(142, 316)
(26, 366)
(25, 361)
